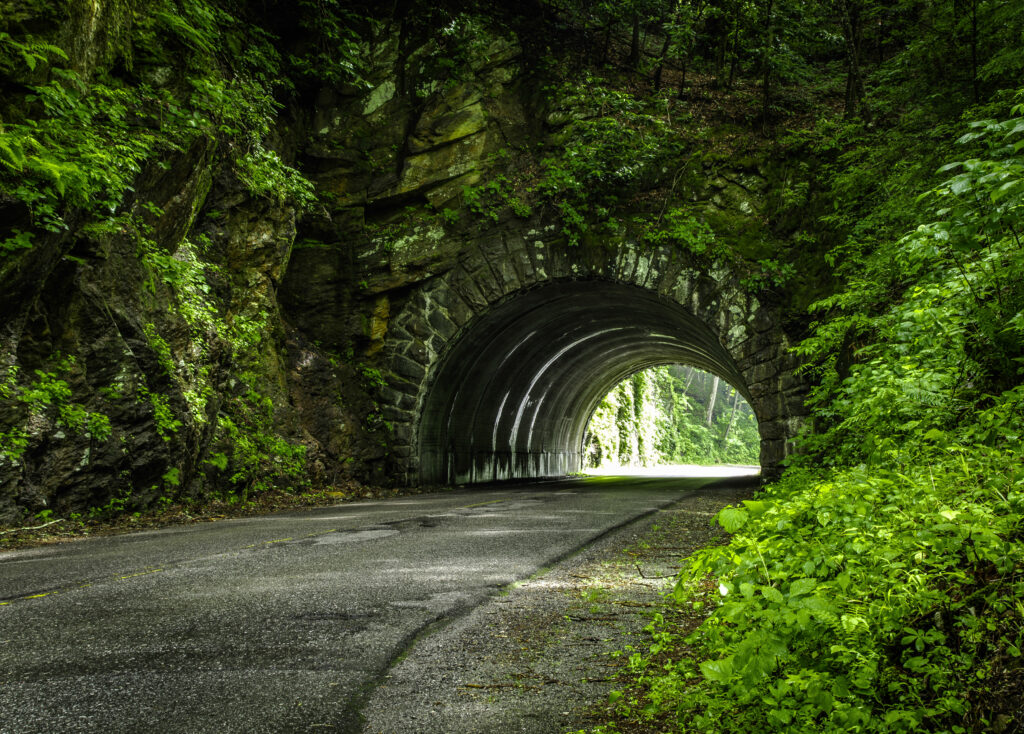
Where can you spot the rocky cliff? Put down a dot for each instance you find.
(210, 220)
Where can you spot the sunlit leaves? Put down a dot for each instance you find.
(883, 594)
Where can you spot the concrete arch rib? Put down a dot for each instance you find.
(512, 395)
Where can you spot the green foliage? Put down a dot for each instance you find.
(681, 229)
(611, 145)
(164, 417)
(955, 330)
(256, 458)
(264, 174)
(488, 199)
(651, 418)
(883, 594)
(867, 598)
(74, 144)
(48, 396)
(84, 150)
(333, 51)
(29, 51)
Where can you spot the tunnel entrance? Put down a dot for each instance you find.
(672, 420)
(512, 396)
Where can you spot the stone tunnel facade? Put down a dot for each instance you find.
(497, 364)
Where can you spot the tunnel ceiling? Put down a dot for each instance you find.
(513, 395)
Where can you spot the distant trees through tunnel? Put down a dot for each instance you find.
(671, 414)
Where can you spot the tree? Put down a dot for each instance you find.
(712, 396)
(850, 15)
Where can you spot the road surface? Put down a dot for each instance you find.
(285, 622)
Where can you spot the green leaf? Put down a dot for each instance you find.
(802, 586)
(732, 519)
(756, 507)
(719, 671)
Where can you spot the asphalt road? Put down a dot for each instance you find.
(279, 623)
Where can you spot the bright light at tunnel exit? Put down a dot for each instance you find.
(672, 420)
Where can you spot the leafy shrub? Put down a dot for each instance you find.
(883, 594)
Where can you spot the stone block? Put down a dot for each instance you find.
(391, 396)
(403, 385)
(772, 452)
(760, 372)
(437, 343)
(408, 368)
(652, 268)
(789, 381)
(768, 407)
(517, 255)
(458, 310)
(775, 429)
(417, 351)
(401, 452)
(537, 252)
(486, 282)
(401, 433)
(507, 275)
(795, 403)
(646, 267)
(683, 288)
(625, 266)
(441, 324)
(463, 283)
(397, 329)
(417, 324)
(449, 191)
(394, 413)
(767, 354)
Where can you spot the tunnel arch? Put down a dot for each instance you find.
(496, 366)
(513, 396)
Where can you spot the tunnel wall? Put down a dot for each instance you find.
(466, 348)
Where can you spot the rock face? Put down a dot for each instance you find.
(445, 304)
(392, 335)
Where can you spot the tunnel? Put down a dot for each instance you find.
(512, 396)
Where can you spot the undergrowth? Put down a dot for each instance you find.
(881, 591)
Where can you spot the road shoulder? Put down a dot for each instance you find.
(541, 657)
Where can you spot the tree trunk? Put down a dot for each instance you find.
(661, 59)
(634, 45)
(732, 416)
(766, 57)
(688, 51)
(854, 80)
(711, 400)
(735, 56)
(690, 374)
(607, 41)
(974, 51)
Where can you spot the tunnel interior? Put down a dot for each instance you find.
(513, 395)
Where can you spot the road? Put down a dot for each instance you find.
(285, 622)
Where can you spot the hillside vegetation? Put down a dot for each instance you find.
(877, 586)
